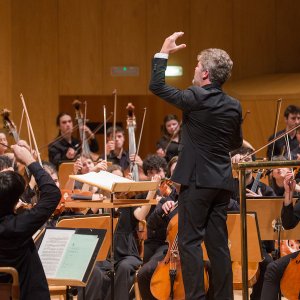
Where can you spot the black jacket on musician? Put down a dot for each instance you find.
(17, 248)
(211, 128)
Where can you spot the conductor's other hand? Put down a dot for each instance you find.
(169, 45)
(22, 154)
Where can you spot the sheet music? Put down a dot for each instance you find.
(66, 254)
(102, 179)
(53, 248)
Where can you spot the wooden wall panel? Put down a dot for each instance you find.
(287, 36)
(5, 54)
(163, 19)
(124, 44)
(254, 37)
(34, 65)
(210, 27)
(80, 47)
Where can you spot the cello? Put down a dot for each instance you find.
(167, 281)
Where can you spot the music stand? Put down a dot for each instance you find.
(113, 184)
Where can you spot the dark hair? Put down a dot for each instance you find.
(291, 109)
(172, 161)
(242, 151)
(154, 162)
(12, 186)
(61, 115)
(6, 162)
(110, 130)
(49, 167)
(114, 167)
(168, 118)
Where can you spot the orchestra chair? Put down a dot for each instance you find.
(65, 169)
(11, 290)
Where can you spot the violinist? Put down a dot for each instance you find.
(292, 119)
(211, 128)
(290, 217)
(168, 144)
(66, 147)
(17, 248)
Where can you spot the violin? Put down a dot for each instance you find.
(167, 281)
(71, 195)
(289, 284)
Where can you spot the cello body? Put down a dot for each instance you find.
(290, 282)
(162, 286)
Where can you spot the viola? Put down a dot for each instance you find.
(167, 281)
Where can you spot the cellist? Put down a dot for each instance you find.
(290, 217)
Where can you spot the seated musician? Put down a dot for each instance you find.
(116, 154)
(126, 255)
(261, 190)
(168, 144)
(156, 246)
(3, 141)
(290, 217)
(65, 147)
(17, 248)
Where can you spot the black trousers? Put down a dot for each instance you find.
(202, 216)
(273, 275)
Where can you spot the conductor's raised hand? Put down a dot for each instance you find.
(169, 45)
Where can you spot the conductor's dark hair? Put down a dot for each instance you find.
(12, 186)
(154, 162)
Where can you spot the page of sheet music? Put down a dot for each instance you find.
(52, 249)
(77, 256)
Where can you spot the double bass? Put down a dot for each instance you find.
(86, 151)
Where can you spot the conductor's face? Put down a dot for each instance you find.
(200, 75)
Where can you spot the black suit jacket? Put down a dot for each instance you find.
(17, 248)
(211, 128)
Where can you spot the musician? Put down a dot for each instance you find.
(211, 128)
(126, 255)
(156, 246)
(261, 190)
(3, 140)
(168, 144)
(290, 217)
(17, 248)
(292, 119)
(66, 147)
